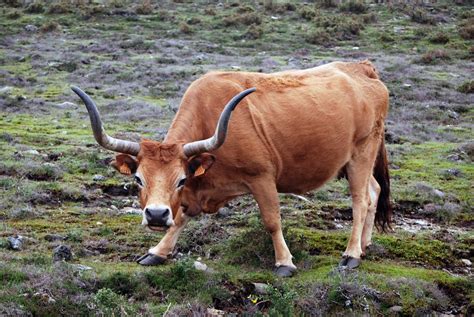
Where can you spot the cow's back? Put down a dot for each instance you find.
(299, 126)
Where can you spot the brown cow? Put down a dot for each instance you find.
(293, 134)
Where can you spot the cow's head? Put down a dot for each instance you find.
(163, 171)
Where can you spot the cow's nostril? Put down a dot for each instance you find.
(148, 213)
(166, 213)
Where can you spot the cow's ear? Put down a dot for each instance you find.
(125, 164)
(198, 165)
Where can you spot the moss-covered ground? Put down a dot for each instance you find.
(136, 59)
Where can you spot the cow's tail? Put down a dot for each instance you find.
(383, 215)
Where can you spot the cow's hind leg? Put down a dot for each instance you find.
(266, 195)
(158, 254)
(359, 172)
(374, 192)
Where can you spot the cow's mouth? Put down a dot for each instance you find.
(158, 228)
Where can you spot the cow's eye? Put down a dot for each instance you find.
(138, 180)
(181, 182)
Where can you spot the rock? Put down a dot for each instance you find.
(31, 28)
(98, 178)
(223, 212)
(62, 253)
(44, 297)
(15, 243)
(260, 288)
(67, 104)
(81, 267)
(5, 90)
(200, 266)
(407, 85)
(452, 208)
(438, 193)
(338, 226)
(32, 152)
(453, 114)
(466, 262)
(54, 237)
(395, 309)
(132, 211)
(451, 173)
(212, 312)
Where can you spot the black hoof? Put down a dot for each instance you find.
(284, 271)
(349, 262)
(151, 259)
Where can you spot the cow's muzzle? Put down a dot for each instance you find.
(158, 217)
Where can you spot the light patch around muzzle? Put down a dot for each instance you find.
(169, 219)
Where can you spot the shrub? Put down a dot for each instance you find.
(466, 30)
(121, 283)
(61, 7)
(15, 14)
(326, 3)
(318, 37)
(35, 7)
(467, 87)
(307, 13)
(419, 15)
(354, 7)
(254, 32)
(242, 19)
(439, 38)
(50, 26)
(185, 28)
(433, 57)
(385, 37)
(145, 8)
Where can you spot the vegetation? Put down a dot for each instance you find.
(136, 58)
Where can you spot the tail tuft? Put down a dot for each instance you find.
(383, 215)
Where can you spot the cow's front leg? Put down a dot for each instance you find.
(158, 254)
(267, 198)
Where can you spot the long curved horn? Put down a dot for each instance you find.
(214, 142)
(100, 135)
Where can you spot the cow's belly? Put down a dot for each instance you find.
(311, 171)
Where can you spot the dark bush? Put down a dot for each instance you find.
(433, 57)
(467, 87)
(354, 7)
(254, 32)
(51, 26)
(439, 38)
(35, 7)
(242, 19)
(318, 37)
(419, 15)
(307, 13)
(466, 30)
(145, 8)
(185, 28)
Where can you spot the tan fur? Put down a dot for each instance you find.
(296, 132)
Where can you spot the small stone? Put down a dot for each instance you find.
(62, 253)
(5, 90)
(212, 312)
(261, 288)
(31, 28)
(98, 178)
(113, 207)
(438, 193)
(99, 223)
(132, 211)
(67, 104)
(223, 212)
(338, 226)
(453, 114)
(81, 267)
(395, 309)
(200, 266)
(466, 262)
(15, 243)
(32, 152)
(407, 85)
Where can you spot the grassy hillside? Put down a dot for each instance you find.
(136, 59)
